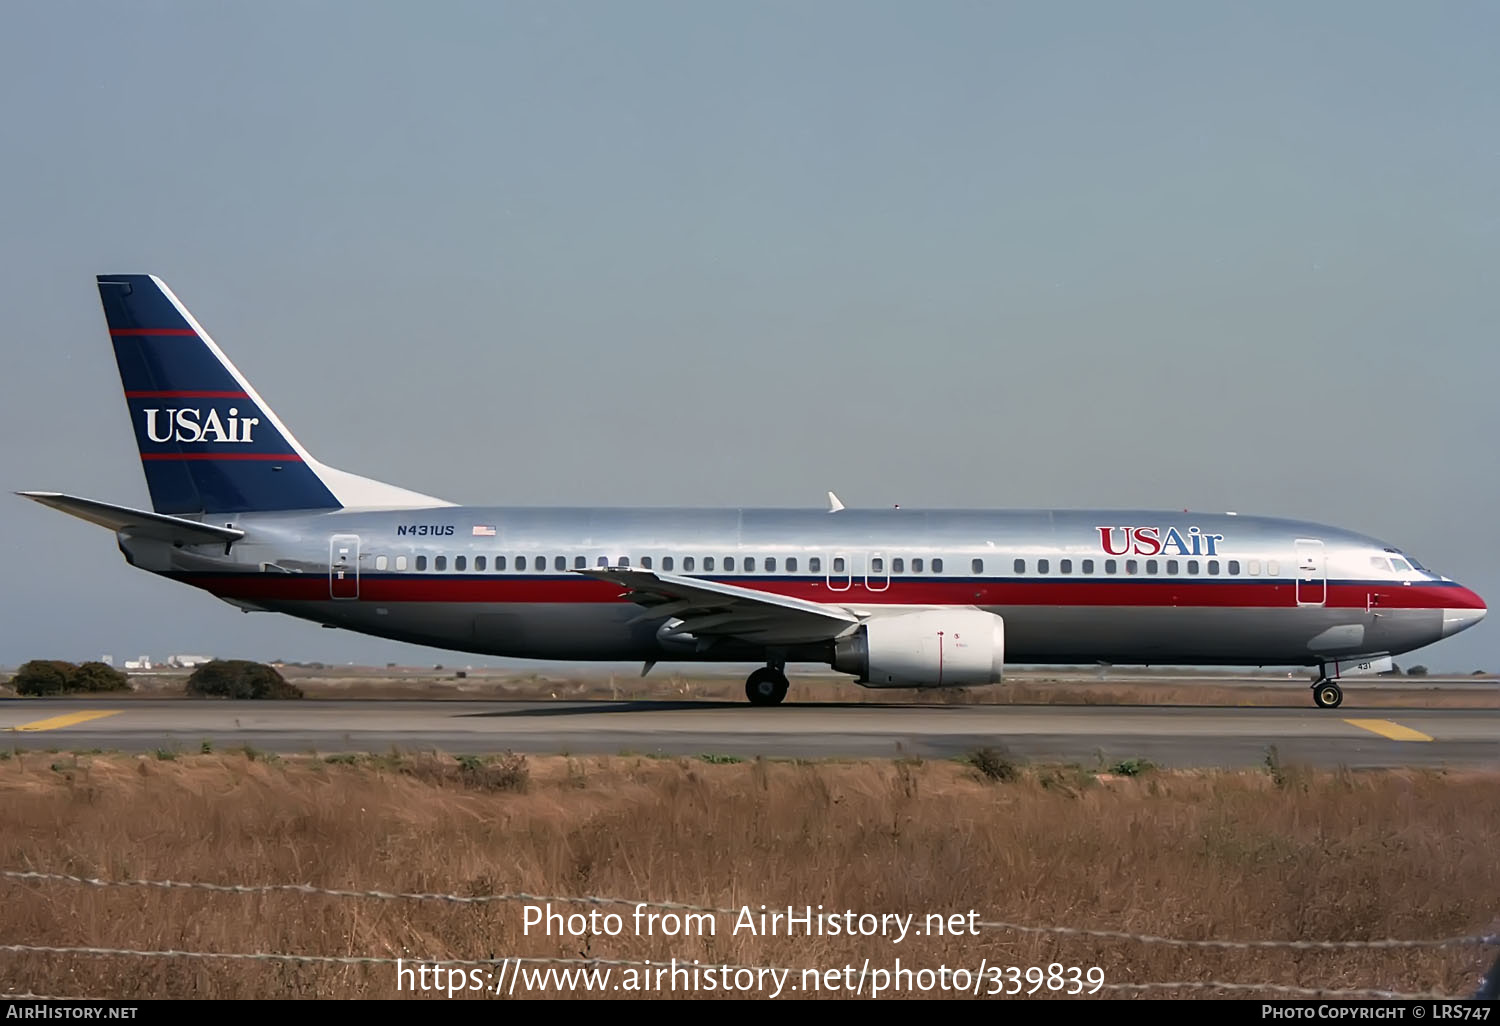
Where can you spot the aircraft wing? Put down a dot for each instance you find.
(137, 521)
(709, 609)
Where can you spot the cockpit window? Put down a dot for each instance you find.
(1400, 564)
(1417, 566)
(1379, 563)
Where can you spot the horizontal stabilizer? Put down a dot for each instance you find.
(137, 521)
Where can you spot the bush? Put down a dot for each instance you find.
(96, 676)
(44, 677)
(994, 765)
(239, 678)
(1417, 671)
(56, 677)
(1132, 767)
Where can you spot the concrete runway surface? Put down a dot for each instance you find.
(1173, 736)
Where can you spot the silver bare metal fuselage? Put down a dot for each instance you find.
(1315, 594)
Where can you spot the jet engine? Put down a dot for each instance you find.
(930, 648)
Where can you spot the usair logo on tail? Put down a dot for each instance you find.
(184, 425)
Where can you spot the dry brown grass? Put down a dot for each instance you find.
(1292, 854)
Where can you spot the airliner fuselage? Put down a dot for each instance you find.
(1072, 586)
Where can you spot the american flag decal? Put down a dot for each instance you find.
(483, 532)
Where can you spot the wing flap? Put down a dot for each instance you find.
(712, 609)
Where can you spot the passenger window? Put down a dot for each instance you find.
(898, 565)
(421, 562)
(708, 562)
(440, 562)
(1019, 566)
(1273, 568)
(791, 564)
(1213, 567)
(645, 562)
(1172, 566)
(379, 562)
(1234, 568)
(480, 562)
(877, 565)
(688, 563)
(1110, 566)
(499, 563)
(838, 564)
(977, 566)
(814, 565)
(1192, 566)
(1151, 565)
(1065, 566)
(1088, 566)
(770, 564)
(937, 566)
(1252, 567)
(400, 562)
(1132, 566)
(623, 561)
(728, 562)
(460, 562)
(916, 566)
(1042, 566)
(520, 562)
(750, 564)
(666, 562)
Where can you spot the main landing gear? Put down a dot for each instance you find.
(766, 686)
(1326, 694)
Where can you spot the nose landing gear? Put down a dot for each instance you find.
(1326, 694)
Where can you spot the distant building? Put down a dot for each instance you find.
(143, 663)
(187, 662)
(108, 660)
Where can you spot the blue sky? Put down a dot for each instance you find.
(1183, 255)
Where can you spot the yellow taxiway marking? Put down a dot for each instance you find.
(66, 721)
(1385, 728)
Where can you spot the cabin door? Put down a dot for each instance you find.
(343, 566)
(1312, 575)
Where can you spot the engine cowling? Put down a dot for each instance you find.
(930, 648)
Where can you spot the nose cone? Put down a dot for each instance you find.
(1464, 613)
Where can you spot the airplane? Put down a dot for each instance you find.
(896, 598)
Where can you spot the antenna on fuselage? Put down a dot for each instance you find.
(834, 505)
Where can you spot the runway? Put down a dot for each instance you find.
(1171, 736)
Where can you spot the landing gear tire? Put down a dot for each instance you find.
(1327, 695)
(766, 686)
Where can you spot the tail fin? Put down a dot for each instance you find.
(208, 442)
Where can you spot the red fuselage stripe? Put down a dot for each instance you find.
(500, 588)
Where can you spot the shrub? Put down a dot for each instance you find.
(240, 678)
(1132, 767)
(97, 676)
(1417, 671)
(44, 677)
(994, 765)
